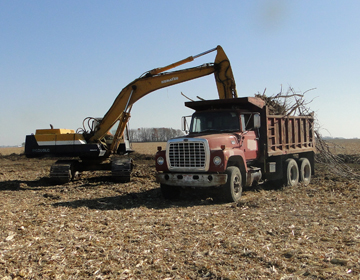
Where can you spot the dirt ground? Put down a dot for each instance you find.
(94, 228)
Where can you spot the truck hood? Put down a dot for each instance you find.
(217, 140)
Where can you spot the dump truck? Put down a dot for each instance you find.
(236, 143)
(93, 147)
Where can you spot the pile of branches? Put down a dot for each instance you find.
(335, 163)
(293, 103)
(289, 103)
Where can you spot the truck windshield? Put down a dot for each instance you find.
(215, 121)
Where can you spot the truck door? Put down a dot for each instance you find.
(250, 124)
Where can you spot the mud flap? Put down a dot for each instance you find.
(121, 169)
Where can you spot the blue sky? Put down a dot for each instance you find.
(62, 61)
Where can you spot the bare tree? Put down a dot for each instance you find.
(153, 134)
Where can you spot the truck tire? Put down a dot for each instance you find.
(170, 192)
(291, 173)
(305, 171)
(232, 190)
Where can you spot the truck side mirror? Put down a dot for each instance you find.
(184, 124)
(257, 122)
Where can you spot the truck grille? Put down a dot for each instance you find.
(187, 154)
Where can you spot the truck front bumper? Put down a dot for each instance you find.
(191, 180)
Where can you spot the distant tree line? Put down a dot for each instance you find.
(153, 134)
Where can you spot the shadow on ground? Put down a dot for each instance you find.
(151, 199)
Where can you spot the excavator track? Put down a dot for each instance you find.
(63, 171)
(121, 169)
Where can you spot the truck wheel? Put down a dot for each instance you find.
(231, 191)
(291, 173)
(170, 192)
(305, 171)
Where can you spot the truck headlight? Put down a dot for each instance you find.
(217, 160)
(160, 160)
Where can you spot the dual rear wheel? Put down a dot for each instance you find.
(297, 172)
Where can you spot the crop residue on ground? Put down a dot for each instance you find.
(97, 229)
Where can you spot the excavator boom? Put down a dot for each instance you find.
(155, 79)
(141, 87)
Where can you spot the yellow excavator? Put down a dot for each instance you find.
(94, 147)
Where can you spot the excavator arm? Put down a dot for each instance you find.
(156, 79)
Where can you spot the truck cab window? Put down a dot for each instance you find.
(248, 121)
(215, 121)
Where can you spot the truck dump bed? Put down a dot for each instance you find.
(289, 134)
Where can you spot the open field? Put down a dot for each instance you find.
(345, 146)
(11, 150)
(97, 229)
